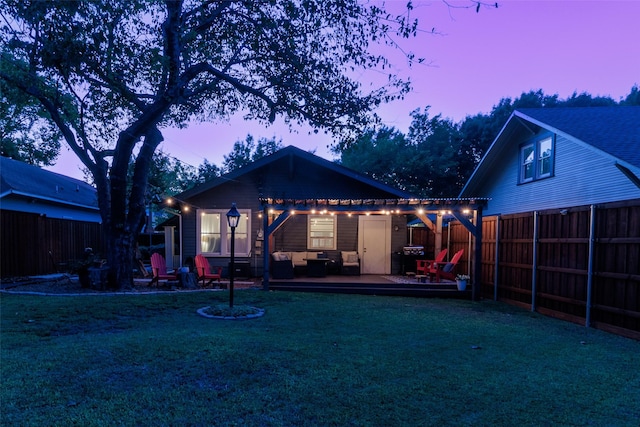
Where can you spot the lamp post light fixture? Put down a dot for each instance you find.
(233, 217)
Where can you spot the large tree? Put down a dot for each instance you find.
(112, 74)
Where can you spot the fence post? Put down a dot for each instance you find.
(496, 269)
(592, 239)
(534, 275)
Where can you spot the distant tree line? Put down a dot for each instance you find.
(436, 157)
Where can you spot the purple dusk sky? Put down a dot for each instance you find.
(475, 60)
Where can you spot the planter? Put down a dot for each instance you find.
(98, 277)
(462, 284)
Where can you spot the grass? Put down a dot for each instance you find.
(311, 360)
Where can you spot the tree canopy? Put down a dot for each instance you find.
(26, 133)
(247, 151)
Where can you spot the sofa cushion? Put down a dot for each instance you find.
(299, 259)
(350, 258)
(281, 256)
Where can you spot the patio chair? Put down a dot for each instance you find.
(424, 265)
(203, 270)
(281, 265)
(350, 263)
(444, 270)
(159, 268)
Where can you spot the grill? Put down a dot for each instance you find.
(413, 250)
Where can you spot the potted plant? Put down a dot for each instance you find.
(84, 266)
(81, 267)
(461, 281)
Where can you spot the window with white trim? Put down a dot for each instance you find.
(322, 232)
(215, 234)
(536, 160)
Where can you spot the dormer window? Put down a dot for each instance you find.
(536, 160)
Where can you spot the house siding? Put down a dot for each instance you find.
(581, 176)
(240, 192)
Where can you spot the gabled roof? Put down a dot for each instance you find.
(21, 179)
(612, 131)
(303, 155)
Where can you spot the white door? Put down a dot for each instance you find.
(374, 236)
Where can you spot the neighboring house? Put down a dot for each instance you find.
(548, 158)
(45, 217)
(564, 215)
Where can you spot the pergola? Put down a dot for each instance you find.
(460, 208)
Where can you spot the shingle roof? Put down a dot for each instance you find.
(31, 181)
(614, 130)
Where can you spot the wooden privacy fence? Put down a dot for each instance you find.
(27, 239)
(580, 264)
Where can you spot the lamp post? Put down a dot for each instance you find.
(233, 217)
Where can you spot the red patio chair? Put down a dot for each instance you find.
(203, 269)
(159, 268)
(444, 270)
(424, 265)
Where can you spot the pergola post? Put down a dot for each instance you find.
(265, 249)
(477, 271)
(438, 239)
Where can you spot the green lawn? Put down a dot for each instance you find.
(312, 360)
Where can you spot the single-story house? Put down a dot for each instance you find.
(296, 202)
(548, 158)
(46, 218)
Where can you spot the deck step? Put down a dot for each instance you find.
(426, 290)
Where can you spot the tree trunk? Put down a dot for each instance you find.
(120, 259)
(127, 207)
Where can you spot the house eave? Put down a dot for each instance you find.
(47, 199)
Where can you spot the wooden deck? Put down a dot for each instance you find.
(370, 285)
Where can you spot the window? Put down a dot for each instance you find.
(322, 232)
(527, 153)
(544, 157)
(215, 233)
(536, 160)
